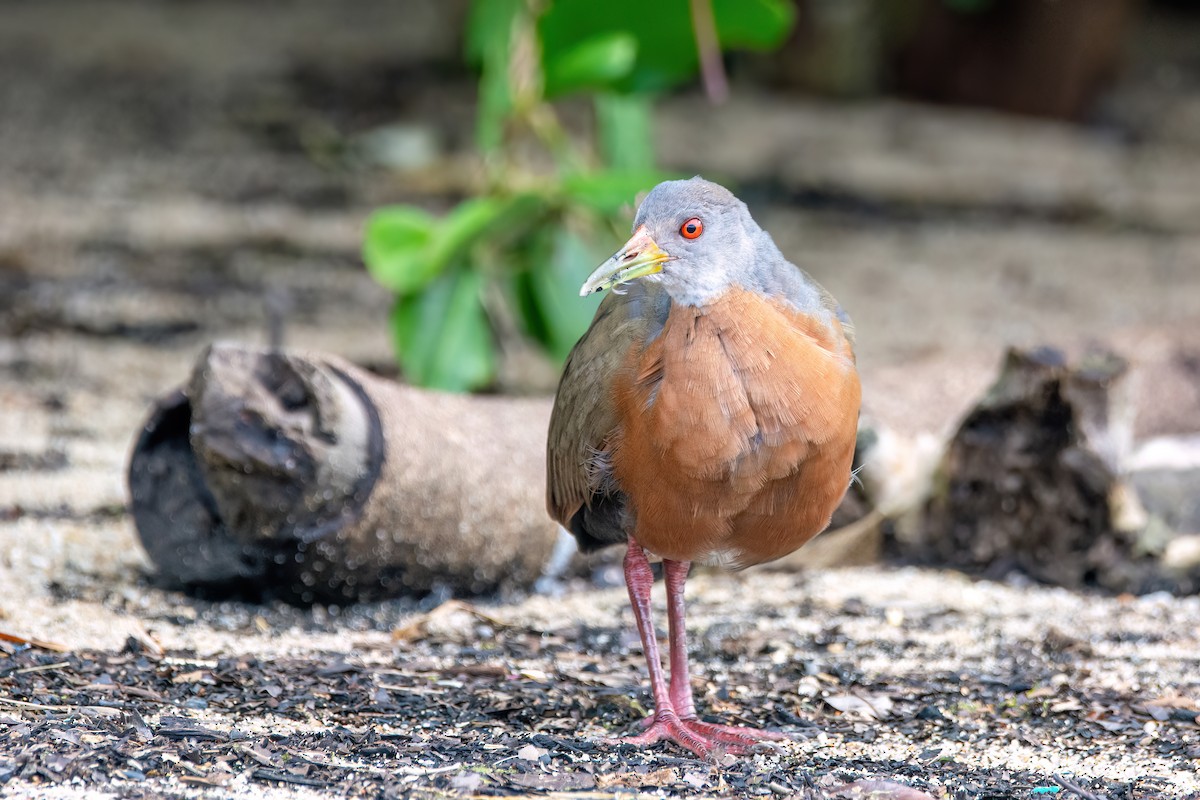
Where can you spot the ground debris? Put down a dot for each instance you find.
(450, 718)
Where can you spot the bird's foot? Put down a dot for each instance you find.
(701, 738)
(732, 734)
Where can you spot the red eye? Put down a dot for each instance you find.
(692, 228)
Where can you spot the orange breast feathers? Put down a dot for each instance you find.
(737, 430)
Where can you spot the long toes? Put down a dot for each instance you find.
(669, 727)
(733, 734)
(686, 738)
(701, 738)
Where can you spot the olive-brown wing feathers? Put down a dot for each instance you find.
(579, 493)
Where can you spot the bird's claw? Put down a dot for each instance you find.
(703, 739)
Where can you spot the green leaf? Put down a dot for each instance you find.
(969, 6)
(394, 247)
(536, 250)
(754, 25)
(610, 192)
(555, 313)
(442, 335)
(479, 217)
(405, 248)
(495, 103)
(594, 63)
(666, 43)
(623, 125)
(489, 25)
(461, 227)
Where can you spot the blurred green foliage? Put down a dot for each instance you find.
(519, 251)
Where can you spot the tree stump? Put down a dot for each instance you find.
(1033, 481)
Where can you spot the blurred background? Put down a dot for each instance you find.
(421, 185)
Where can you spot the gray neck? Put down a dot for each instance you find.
(770, 275)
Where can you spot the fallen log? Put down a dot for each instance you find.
(304, 477)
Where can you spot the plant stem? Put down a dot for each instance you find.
(712, 69)
(546, 126)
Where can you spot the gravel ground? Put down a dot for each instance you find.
(961, 688)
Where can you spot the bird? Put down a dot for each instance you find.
(708, 415)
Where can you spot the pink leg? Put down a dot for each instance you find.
(674, 713)
(675, 575)
(665, 724)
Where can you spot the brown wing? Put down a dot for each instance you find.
(584, 417)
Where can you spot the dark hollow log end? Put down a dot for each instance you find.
(183, 533)
(175, 514)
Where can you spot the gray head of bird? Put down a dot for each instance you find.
(692, 236)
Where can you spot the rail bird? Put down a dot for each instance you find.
(708, 415)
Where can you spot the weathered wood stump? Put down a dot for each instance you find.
(307, 478)
(1034, 481)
